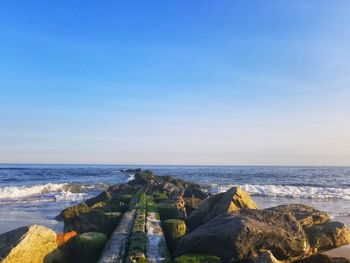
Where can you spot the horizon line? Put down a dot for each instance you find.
(197, 165)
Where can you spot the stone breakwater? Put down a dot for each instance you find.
(161, 219)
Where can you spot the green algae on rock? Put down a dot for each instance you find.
(90, 246)
(197, 258)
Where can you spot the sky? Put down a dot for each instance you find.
(175, 82)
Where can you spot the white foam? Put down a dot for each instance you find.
(156, 243)
(291, 191)
(69, 196)
(131, 177)
(15, 192)
(44, 192)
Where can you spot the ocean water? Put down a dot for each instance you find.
(35, 194)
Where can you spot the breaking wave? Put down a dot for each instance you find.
(291, 191)
(49, 191)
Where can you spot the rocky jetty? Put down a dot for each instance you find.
(162, 219)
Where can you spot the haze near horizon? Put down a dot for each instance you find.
(230, 82)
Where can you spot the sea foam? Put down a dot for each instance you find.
(49, 191)
(291, 191)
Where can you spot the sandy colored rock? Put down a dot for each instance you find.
(229, 202)
(264, 257)
(304, 214)
(29, 244)
(326, 236)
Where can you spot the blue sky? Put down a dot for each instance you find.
(175, 82)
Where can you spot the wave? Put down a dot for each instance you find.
(49, 191)
(130, 177)
(305, 192)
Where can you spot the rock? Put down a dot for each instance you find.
(197, 258)
(93, 221)
(244, 234)
(66, 249)
(90, 246)
(102, 197)
(160, 197)
(126, 198)
(174, 229)
(327, 236)
(195, 192)
(322, 234)
(172, 190)
(131, 170)
(231, 201)
(30, 244)
(192, 204)
(172, 209)
(323, 259)
(73, 211)
(143, 178)
(65, 237)
(305, 215)
(263, 257)
(117, 190)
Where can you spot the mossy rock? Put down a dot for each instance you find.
(160, 197)
(125, 198)
(73, 211)
(102, 197)
(89, 246)
(93, 221)
(197, 258)
(168, 211)
(99, 205)
(174, 229)
(143, 177)
(152, 209)
(115, 206)
(137, 243)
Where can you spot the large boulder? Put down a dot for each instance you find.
(327, 236)
(90, 246)
(173, 190)
(322, 234)
(192, 203)
(229, 202)
(103, 196)
(196, 192)
(172, 208)
(304, 214)
(245, 234)
(93, 221)
(174, 229)
(73, 211)
(143, 178)
(30, 244)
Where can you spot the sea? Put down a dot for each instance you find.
(35, 194)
